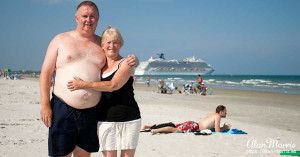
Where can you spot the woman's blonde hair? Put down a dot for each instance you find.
(112, 31)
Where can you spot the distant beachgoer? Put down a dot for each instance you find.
(187, 88)
(21, 77)
(211, 121)
(17, 77)
(199, 87)
(134, 80)
(148, 81)
(199, 81)
(53, 80)
(11, 76)
(162, 87)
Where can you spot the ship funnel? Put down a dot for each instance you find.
(161, 56)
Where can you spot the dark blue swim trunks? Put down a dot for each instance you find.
(71, 127)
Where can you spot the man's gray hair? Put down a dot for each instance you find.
(87, 3)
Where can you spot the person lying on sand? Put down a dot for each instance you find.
(211, 121)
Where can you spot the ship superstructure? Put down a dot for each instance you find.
(160, 66)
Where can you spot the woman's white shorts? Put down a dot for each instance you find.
(119, 135)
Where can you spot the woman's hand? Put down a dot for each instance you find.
(75, 84)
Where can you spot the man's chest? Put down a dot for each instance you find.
(84, 53)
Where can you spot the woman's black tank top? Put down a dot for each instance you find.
(119, 105)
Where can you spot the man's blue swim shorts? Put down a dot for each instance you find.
(72, 127)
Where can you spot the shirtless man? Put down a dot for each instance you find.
(148, 81)
(199, 86)
(71, 116)
(211, 121)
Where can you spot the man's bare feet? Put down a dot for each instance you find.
(143, 127)
(153, 132)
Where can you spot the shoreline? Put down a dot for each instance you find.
(225, 89)
(268, 83)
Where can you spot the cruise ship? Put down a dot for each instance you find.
(160, 66)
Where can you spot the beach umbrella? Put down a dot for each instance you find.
(7, 70)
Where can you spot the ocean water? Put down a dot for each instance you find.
(270, 83)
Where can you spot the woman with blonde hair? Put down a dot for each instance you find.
(119, 115)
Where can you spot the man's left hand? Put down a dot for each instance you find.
(132, 60)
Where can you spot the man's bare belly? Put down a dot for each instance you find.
(82, 98)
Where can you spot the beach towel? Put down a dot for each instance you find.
(230, 131)
(209, 132)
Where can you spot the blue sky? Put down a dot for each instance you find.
(234, 36)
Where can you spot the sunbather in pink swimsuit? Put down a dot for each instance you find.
(189, 126)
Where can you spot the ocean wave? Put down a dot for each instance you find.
(275, 86)
(271, 83)
(263, 85)
(250, 82)
(261, 81)
(230, 82)
(210, 80)
(289, 84)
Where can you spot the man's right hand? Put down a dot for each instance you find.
(46, 116)
(227, 126)
(133, 60)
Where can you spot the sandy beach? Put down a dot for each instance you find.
(270, 119)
